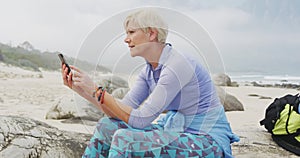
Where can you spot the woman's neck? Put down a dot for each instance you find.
(154, 54)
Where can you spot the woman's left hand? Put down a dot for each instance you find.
(83, 81)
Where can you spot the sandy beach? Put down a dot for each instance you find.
(255, 141)
(24, 93)
(31, 94)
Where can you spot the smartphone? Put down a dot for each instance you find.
(63, 61)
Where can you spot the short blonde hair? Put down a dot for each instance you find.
(148, 18)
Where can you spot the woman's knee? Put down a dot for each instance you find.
(104, 120)
(105, 126)
(122, 133)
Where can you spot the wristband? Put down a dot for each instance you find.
(94, 93)
(102, 97)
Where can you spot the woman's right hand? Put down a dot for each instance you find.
(67, 77)
(69, 80)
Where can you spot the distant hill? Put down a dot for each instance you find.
(26, 56)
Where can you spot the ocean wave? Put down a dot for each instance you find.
(266, 79)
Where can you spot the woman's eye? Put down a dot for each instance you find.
(130, 32)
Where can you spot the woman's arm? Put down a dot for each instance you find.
(115, 108)
(138, 93)
(176, 74)
(82, 84)
(73, 83)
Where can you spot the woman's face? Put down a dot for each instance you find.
(137, 40)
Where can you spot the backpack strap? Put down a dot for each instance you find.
(297, 132)
(288, 119)
(262, 122)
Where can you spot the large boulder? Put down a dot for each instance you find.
(24, 137)
(230, 102)
(110, 82)
(63, 108)
(120, 92)
(222, 79)
(76, 109)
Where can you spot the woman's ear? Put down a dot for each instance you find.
(153, 35)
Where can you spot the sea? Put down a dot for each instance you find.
(262, 78)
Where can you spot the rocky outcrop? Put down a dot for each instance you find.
(111, 82)
(230, 102)
(120, 92)
(223, 80)
(76, 110)
(24, 137)
(62, 109)
(277, 85)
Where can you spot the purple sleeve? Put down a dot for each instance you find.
(138, 93)
(171, 81)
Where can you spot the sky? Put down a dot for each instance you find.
(251, 35)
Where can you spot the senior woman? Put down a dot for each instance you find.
(195, 124)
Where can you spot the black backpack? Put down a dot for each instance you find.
(284, 123)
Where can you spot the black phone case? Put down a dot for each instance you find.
(63, 61)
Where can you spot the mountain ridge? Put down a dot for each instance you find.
(26, 56)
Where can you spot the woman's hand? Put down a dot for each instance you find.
(83, 81)
(74, 82)
(67, 77)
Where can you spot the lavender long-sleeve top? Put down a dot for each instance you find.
(182, 84)
(178, 83)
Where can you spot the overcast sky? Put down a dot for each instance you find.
(62, 25)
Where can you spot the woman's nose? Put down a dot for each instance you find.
(126, 40)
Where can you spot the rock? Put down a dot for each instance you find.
(234, 84)
(222, 80)
(120, 92)
(282, 85)
(24, 137)
(76, 109)
(253, 95)
(81, 120)
(62, 109)
(264, 97)
(230, 102)
(111, 82)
